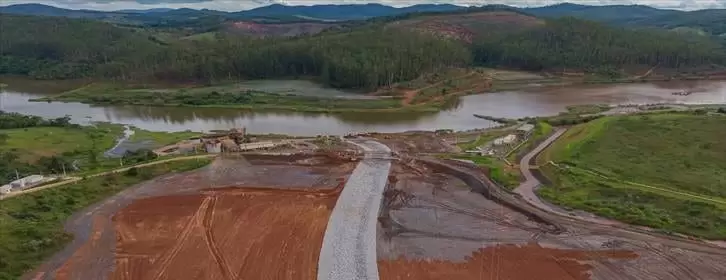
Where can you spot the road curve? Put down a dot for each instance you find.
(526, 189)
(349, 245)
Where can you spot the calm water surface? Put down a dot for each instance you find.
(512, 104)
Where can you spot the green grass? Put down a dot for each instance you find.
(36, 142)
(665, 171)
(31, 225)
(684, 152)
(613, 199)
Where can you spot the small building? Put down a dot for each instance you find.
(213, 146)
(506, 140)
(5, 189)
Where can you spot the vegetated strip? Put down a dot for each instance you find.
(230, 96)
(31, 225)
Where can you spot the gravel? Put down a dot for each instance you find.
(349, 245)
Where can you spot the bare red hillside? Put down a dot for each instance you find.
(466, 26)
(277, 29)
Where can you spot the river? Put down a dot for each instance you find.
(511, 104)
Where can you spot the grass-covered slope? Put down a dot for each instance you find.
(663, 171)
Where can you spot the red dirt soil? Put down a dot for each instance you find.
(278, 29)
(466, 26)
(230, 233)
(509, 262)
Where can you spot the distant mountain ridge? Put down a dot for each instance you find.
(322, 12)
(711, 21)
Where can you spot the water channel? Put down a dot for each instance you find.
(512, 104)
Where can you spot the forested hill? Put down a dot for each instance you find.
(367, 56)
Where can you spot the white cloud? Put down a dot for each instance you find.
(236, 5)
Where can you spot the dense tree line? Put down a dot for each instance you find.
(358, 57)
(573, 43)
(15, 120)
(364, 58)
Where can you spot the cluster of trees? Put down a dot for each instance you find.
(572, 43)
(15, 120)
(367, 56)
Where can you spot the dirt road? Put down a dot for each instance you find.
(70, 180)
(527, 188)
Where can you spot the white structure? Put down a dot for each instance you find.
(213, 147)
(509, 139)
(27, 182)
(526, 129)
(260, 145)
(5, 189)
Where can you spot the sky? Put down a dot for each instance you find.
(238, 5)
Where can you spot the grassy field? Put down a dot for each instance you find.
(229, 96)
(36, 142)
(664, 171)
(31, 225)
(85, 145)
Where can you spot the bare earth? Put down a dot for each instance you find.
(260, 217)
(434, 227)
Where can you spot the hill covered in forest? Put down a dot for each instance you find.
(365, 55)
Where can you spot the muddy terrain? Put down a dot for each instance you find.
(436, 226)
(264, 217)
(247, 217)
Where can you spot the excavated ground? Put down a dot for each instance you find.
(239, 233)
(251, 217)
(434, 227)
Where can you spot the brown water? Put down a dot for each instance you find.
(512, 104)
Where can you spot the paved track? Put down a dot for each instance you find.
(526, 189)
(349, 245)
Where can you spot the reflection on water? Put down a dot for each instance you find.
(458, 116)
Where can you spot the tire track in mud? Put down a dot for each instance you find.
(123, 266)
(219, 259)
(690, 273)
(171, 254)
(611, 269)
